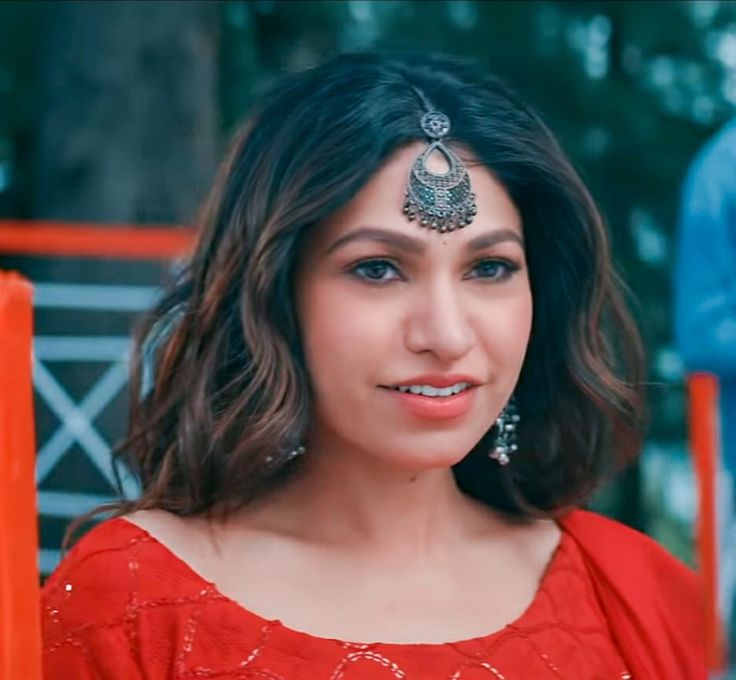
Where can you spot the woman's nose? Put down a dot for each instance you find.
(438, 323)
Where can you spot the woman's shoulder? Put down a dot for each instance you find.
(99, 555)
(592, 529)
(627, 556)
(652, 601)
(114, 568)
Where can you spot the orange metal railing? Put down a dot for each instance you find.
(705, 446)
(20, 625)
(85, 240)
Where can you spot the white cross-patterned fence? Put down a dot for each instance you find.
(77, 417)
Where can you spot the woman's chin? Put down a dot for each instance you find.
(426, 451)
(423, 461)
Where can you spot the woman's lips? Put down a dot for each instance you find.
(419, 405)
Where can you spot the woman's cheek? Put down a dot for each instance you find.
(343, 332)
(507, 322)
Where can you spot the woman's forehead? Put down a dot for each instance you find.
(378, 205)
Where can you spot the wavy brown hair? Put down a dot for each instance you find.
(219, 387)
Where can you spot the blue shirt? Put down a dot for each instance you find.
(705, 279)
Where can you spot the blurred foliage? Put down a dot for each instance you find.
(19, 25)
(631, 88)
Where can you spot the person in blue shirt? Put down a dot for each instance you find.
(705, 312)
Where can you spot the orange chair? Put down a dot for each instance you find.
(20, 625)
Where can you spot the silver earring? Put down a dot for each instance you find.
(287, 455)
(296, 452)
(442, 201)
(506, 441)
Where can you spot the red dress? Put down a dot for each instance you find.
(121, 605)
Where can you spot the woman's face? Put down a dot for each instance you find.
(383, 303)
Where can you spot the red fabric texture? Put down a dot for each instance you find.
(121, 605)
(654, 602)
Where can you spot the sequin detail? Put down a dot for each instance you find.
(121, 601)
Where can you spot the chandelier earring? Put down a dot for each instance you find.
(506, 439)
(286, 455)
(297, 451)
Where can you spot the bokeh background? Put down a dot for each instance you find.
(118, 112)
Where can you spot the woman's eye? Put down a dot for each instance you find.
(379, 271)
(495, 270)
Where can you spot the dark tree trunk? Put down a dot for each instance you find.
(128, 128)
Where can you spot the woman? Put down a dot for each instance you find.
(395, 363)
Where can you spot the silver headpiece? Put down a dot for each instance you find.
(444, 202)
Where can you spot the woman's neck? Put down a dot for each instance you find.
(359, 501)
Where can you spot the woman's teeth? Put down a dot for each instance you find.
(429, 391)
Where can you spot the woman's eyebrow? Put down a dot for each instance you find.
(391, 238)
(415, 246)
(491, 238)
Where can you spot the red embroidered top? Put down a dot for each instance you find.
(121, 605)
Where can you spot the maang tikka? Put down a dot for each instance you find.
(443, 201)
(506, 440)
